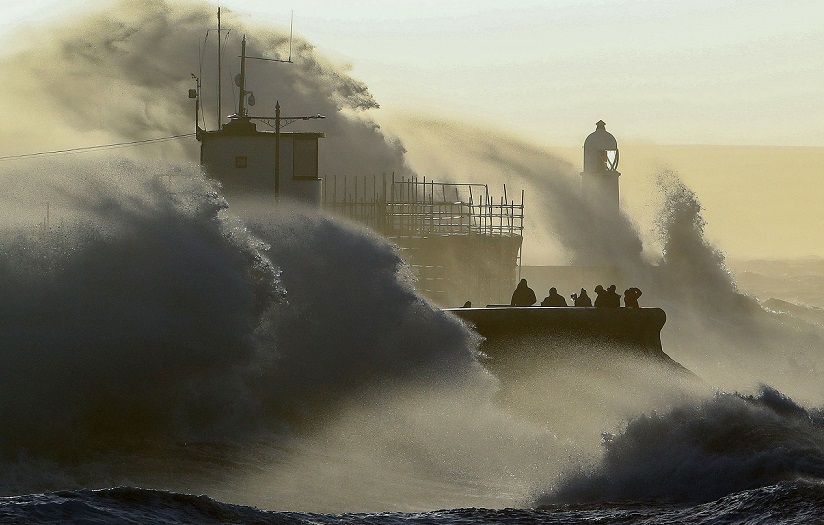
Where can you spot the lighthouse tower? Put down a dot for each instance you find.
(599, 180)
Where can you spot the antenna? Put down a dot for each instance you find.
(289, 60)
(219, 68)
(241, 110)
(291, 27)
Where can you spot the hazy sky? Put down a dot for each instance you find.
(718, 72)
(671, 72)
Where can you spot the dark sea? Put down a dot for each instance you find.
(167, 360)
(787, 502)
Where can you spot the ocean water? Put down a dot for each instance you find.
(787, 502)
(167, 361)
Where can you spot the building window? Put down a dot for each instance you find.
(241, 162)
(305, 160)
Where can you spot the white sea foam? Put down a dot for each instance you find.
(151, 337)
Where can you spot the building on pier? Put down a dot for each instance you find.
(462, 243)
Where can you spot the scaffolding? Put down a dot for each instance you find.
(454, 235)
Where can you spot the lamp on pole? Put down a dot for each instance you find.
(243, 113)
(280, 122)
(277, 150)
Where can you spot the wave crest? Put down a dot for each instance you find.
(698, 453)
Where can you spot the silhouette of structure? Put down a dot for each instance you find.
(599, 179)
(259, 165)
(459, 240)
(600, 192)
(514, 333)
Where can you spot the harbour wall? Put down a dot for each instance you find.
(547, 331)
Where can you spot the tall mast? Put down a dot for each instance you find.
(219, 68)
(241, 109)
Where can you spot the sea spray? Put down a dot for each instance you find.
(148, 54)
(561, 227)
(122, 71)
(153, 339)
(700, 452)
(132, 318)
(161, 341)
(352, 317)
(718, 332)
(157, 276)
(692, 269)
(713, 329)
(229, 378)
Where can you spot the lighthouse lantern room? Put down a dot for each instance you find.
(599, 179)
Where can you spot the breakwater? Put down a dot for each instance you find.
(549, 331)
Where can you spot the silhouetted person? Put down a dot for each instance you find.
(600, 297)
(613, 299)
(582, 299)
(631, 296)
(554, 298)
(467, 304)
(523, 295)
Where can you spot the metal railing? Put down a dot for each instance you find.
(415, 208)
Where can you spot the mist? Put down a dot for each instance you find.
(156, 337)
(123, 72)
(263, 361)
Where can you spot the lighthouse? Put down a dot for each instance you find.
(599, 180)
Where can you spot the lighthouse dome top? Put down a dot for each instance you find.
(600, 149)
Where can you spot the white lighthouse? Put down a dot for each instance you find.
(599, 180)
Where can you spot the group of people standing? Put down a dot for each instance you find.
(606, 298)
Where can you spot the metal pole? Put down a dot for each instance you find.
(277, 146)
(197, 108)
(241, 106)
(219, 69)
